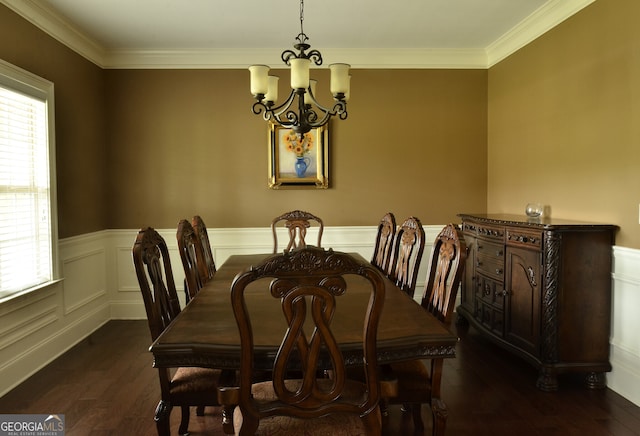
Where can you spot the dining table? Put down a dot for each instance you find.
(205, 333)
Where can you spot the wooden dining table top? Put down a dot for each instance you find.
(205, 333)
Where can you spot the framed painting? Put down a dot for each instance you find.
(295, 161)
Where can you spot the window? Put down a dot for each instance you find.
(28, 235)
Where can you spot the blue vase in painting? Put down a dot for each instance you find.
(301, 165)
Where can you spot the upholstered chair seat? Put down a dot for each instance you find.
(194, 386)
(335, 424)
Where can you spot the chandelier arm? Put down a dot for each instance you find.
(280, 109)
(274, 113)
(315, 56)
(339, 107)
(288, 54)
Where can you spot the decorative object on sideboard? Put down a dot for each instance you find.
(310, 113)
(534, 210)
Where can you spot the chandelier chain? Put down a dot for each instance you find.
(301, 15)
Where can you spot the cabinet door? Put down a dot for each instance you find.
(523, 287)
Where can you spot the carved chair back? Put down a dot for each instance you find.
(384, 242)
(308, 282)
(446, 267)
(192, 255)
(208, 267)
(296, 222)
(155, 277)
(183, 387)
(407, 253)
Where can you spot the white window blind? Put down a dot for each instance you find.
(26, 229)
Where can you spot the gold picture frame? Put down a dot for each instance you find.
(296, 162)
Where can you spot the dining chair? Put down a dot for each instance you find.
(208, 267)
(296, 222)
(418, 381)
(384, 242)
(186, 386)
(308, 283)
(191, 254)
(407, 254)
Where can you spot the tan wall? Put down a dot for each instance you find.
(564, 121)
(185, 141)
(148, 147)
(80, 121)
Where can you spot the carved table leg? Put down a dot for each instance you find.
(440, 414)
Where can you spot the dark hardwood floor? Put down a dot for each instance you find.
(106, 386)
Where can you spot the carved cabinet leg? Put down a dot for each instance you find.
(547, 380)
(461, 321)
(596, 380)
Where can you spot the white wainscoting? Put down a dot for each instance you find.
(39, 326)
(99, 284)
(625, 324)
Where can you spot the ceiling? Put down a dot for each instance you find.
(237, 33)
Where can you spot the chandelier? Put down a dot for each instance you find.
(310, 113)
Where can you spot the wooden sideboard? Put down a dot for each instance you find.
(541, 288)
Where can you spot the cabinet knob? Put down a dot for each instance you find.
(498, 270)
(502, 293)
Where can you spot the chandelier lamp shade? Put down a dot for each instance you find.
(308, 113)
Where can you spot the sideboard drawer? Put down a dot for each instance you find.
(490, 249)
(490, 266)
(524, 238)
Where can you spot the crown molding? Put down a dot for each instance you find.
(241, 58)
(542, 20)
(59, 28)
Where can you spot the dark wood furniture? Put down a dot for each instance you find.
(418, 382)
(383, 248)
(189, 386)
(542, 289)
(190, 254)
(296, 222)
(407, 253)
(206, 333)
(309, 283)
(207, 268)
